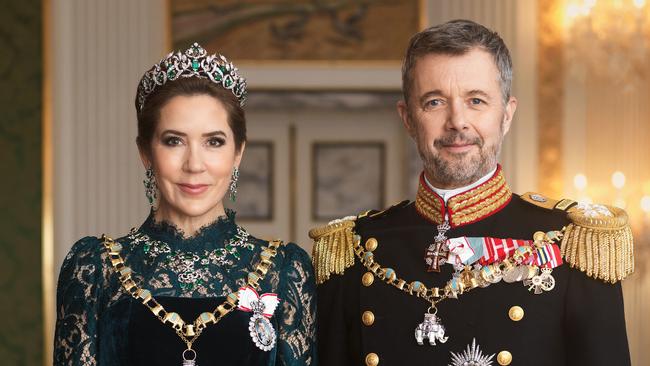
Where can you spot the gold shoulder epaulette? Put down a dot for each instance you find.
(333, 248)
(598, 241)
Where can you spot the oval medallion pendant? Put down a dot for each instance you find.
(262, 332)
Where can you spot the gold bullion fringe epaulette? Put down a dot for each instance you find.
(333, 248)
(598, 241)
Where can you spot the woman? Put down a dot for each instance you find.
(189, 286)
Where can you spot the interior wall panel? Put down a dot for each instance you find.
(99, 51)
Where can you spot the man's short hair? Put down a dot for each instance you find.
(455, 38)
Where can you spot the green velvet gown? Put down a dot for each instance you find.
(98, 323)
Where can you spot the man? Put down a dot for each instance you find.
(470, 273)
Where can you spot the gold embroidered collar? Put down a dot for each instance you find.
(467, 207)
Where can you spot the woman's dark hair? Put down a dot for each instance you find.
(150, 115)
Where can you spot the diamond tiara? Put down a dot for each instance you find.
(194, 62)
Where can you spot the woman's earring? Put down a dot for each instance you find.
(150, 187)
(233, 184)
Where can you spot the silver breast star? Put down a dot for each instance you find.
(472, 356)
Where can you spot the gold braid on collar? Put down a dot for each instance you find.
(598, 241)
(467, 207)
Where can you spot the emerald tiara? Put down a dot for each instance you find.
(194, 62)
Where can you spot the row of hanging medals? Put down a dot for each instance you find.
(436, 256)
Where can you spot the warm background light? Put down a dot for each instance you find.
(618, 180)
(586, 199)
(580, 182)
(610, 37)
(645, 204)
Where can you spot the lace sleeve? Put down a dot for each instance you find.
(75, 337)
(297, 333)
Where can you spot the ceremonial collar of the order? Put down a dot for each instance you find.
(466, 207)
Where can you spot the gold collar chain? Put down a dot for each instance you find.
(470, 278)
(510, 270)
(189, 333)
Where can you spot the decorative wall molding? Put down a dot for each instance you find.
(550, 96)
(606, 130)
(99, 50)
(319, 100)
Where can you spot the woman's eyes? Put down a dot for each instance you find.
(216, 141)
(173, 141)
(211, 142)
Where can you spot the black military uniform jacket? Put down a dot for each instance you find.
(364, 320)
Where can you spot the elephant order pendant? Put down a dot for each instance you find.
(432, 329)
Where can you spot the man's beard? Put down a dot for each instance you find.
(458, 170)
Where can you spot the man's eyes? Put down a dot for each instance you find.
(434, 103)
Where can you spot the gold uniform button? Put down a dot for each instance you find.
(367, 279)
(516, 313)
(371, 244)
(504, 358)
(372, 359)
(368, 318)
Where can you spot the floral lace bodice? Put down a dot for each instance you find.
(211, 264)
